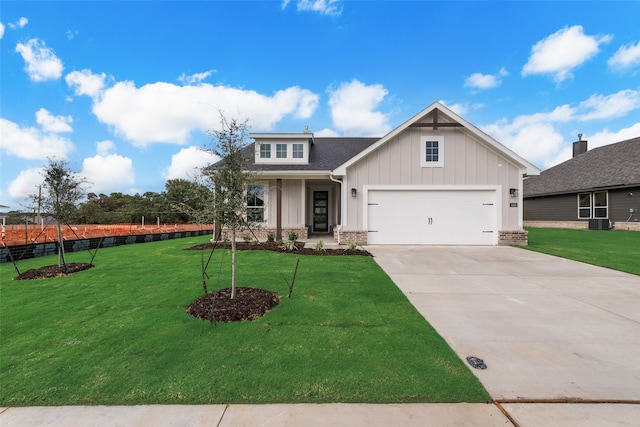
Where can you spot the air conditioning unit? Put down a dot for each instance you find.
(599, 224)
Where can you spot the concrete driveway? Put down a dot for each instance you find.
(548, 329)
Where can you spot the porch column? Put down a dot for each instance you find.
(279, 209)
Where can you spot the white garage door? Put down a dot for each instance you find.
(432, 217)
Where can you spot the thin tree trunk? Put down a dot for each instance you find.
(233, 262)
(61, 261)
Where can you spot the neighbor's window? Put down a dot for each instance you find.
(584, 205)
(600, 204)
(298, 151)
(593, 205)
(432, 151)
(281, 151)
(265, 151)
(256, 203)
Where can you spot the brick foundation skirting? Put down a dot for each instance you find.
(581, 225)
(513, 237)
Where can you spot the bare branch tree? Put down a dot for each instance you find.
(230, 180)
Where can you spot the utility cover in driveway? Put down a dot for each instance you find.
(432, 217)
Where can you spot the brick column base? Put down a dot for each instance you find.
(349, 236)
(513, 237)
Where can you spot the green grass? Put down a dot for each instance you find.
(119, 334)
(616, 249)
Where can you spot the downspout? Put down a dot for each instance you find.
(341, 207)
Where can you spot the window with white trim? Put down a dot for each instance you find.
(256, 203)
(281, 151)
(298, 151)
(593, 205)
(265, 151)
(432, 151)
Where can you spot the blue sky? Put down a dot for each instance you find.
(125, 91)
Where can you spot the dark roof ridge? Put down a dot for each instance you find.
(607, 166)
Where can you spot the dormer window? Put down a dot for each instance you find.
(282, 148)
(281, 151)
(265, 151)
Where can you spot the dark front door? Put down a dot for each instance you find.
(321, 211)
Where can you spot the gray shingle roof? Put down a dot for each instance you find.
(325, 154)
(609, 166)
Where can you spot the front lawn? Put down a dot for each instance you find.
(118, 333)
(616, 249)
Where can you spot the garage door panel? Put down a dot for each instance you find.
(432, 217)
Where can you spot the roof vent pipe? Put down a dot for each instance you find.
(580, 146)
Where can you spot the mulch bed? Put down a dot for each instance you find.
(50, 271)
(249, 304)
(274, 246)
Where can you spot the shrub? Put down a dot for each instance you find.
(271, 237)
(319, 245)
(293, 236)
(289, 245)
(352, 246)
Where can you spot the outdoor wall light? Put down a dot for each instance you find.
(513, 192)
(354, 192)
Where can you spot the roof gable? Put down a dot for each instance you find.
(455, 121)
(613, 165)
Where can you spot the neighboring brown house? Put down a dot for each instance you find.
(596, 189)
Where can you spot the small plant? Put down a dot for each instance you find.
(293, 236)
(246, 238)
(271, 237)
(319, 245)
(352, 246)
(289, 245)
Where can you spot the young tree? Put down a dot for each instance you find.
(62, 191)
(230, 181)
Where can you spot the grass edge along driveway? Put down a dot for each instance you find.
(615, 249)
(118, 333)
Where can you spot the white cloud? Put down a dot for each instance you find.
(353, 109)
(606, 137)
(563, 51)
(85, 82)
(167, 113)
(323, 7)
(535, 141)
(108, 173)
(186, 164)
(53, 124)
(32, 143)
(25, 183)
(481, 81)
(104, 148)
(609, 106)
(194, 79)
(626, 57)
(2, 27)
(536, 137)
(327, 133)
(20, 23)
(41, 62)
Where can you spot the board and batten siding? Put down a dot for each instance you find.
(292, 207)
(467, 161)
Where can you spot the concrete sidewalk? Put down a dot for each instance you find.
(550, 330)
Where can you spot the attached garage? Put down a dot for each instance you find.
(432, 216)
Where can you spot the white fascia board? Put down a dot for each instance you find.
(525, 165)
(280, 136)
(293, 174)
